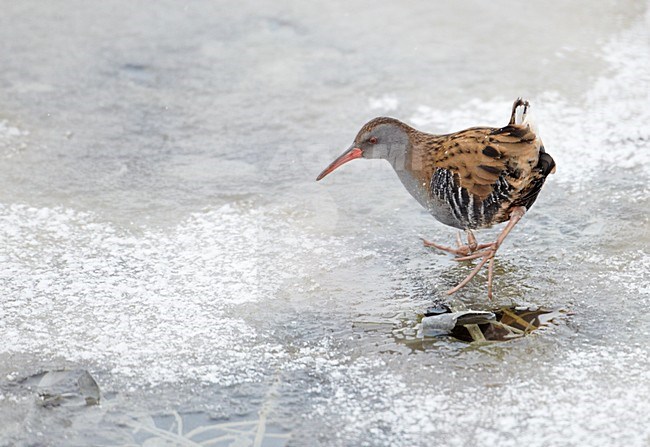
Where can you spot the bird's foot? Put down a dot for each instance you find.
(461, 249)
(487, 253)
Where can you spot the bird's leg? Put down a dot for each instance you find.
(471, 241)
(462, 250)
(488, 251)
(459, 240)
(490, 276)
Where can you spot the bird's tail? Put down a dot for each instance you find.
(521, 115)
(519, 112)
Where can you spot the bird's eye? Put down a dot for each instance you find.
(372, 140)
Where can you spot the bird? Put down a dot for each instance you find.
(471, 179)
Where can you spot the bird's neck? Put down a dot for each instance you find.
(413, 185)
(397, 157)
(413, 154)
(414, 164)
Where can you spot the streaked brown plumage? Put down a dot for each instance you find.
(470, 179)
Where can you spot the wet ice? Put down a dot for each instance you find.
(184, 256)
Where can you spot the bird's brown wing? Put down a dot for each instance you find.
(483, 172)
(479, 156)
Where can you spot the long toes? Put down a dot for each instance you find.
(428, 243)
(469, 277)
(489, 254)
(469, 257)
(462, 251)
(434, 245)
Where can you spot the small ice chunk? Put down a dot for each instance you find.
(444, 323)
(74, 387)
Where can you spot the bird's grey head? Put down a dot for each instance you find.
(385, 138)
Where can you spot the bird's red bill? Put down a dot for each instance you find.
(348, 155)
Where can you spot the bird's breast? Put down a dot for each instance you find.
(439, 206)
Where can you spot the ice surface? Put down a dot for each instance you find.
(161, 228)
(156, 306)
(609, 130)
(11, 139)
